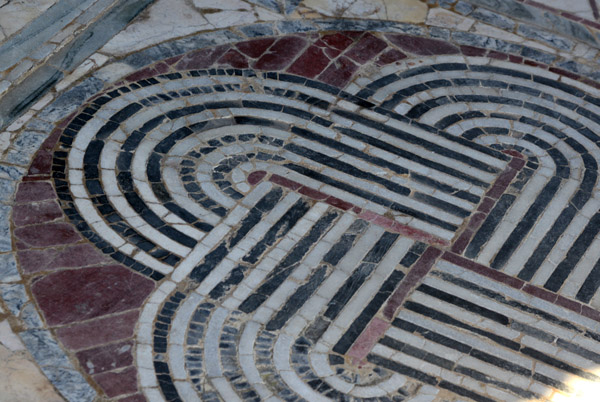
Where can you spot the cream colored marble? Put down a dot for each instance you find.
(9, 339)
(20, 379)
(395, 10)
(406, 10)
(15, 14)
(114, 71)
(222, 4)
(443, 18)
(225, 19)
(266, 15)
(581, 8)
(92, 63)
(493, 32)
(164, 20)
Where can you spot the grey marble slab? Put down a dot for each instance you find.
(21, 96)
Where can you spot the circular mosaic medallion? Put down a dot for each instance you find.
(287, 219)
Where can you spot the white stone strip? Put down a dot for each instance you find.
(314, 92)
(247, 359)
(390, 195)
(211, 354)
(527, 300)
(561, 248)
(172, 180)
(383, 192)
(351, 311)
(513, 216)
(263, 314)
(588, 259)
(144, 355)
(281, 356)
(91, 215)
(218, 233)
(473, 318)
(177, 335)
(311, 261)
(261, 271)
(427, 154)
(474, 341)
(246, 244)
(542, 226)
(295, 326)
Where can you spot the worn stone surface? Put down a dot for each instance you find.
(324, 200)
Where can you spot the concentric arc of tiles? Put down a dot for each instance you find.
(285, 212)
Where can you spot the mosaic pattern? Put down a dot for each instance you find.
(341, 216)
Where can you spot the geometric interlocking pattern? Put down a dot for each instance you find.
(285, 211)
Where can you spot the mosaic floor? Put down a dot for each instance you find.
(344, 201)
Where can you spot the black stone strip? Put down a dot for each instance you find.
(154, 175)
(486, 379)
(139, 206)
(420, 109)
(100, 243)
(443, 205)
(413, 139)
(446, 319)
(497, 297)
(380, 83)
(463, 391)
(402, 369)
(307, 82)
(254, 216)
(578, 350)
(348, 150)
(125, 181)
(445, 188)
(575, 253)
(469, 350)
(547, 243)
(420, 354)
(577, 201)
(297, 300)
(410, 156)
(160, 335)
(374, 198)
(345, 243)
(333, 257)
(561, 86)
(449, 120)
(452, 366)
(459, 140)
(425, 378)
(540, 356)
(400, 95)
(289, 263)
(524, 226)
(91, 161)
(558, 364)
(360, 275)
(590, 285)
(489, 225)
(360, 323)
(413, 254)
(276, 232)
(464, 304)
(347, 168)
